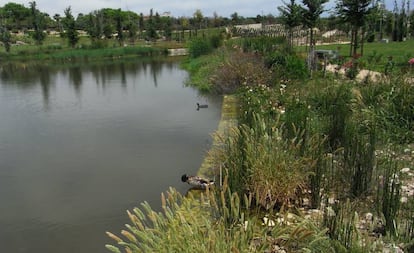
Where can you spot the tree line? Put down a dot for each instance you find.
(108, 23)
(360, 18)
(364, 20)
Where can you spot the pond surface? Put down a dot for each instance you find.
(80, 145)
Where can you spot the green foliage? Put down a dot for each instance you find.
(216, 40)
(201, 70)
(355, 13)
(390, 193)
(400, 52)
(38, 24)
(333, 106)
(392, 106)
(262, 44)
(209, 223)
(287, 66)
(359, 155)
(5, 38)
(238, 71)
(400, 110)
(342, 221)
(260, 100)
(70, 28)
(264, 164)
(198, 47)
(290, 14)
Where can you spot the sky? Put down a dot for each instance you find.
(178, 8)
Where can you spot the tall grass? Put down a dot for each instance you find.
(209, 223)
(333, 106)
(359, 157)
(390, 192)
(259, 161)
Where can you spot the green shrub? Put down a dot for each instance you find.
(216, 40)
(287, 66)
(262, 44)
(198, 47)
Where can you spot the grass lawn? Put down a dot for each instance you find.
(376, 54)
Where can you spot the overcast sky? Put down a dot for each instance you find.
(178, 8)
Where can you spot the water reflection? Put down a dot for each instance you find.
(29, 75)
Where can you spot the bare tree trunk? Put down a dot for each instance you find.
(355, 31)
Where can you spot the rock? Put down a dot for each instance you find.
(269, 222)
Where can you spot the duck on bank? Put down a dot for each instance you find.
(196, 182)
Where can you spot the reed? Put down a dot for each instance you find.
(341, 221)
(390, 192)
(359, 156)
(333, 106)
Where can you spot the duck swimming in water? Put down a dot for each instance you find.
(201, 106)
(196, 182)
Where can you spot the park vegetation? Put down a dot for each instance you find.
(314, 165)
(319, 162)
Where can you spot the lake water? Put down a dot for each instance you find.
(80, 145)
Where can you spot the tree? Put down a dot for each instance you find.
(94, 25)
(119, 26)
(198, 19)
(16, 15)
(310, 17)
(235, 19)
(151, 31)
(38, 22)
(70, 28)
(166, 26)
(132, 25)
(58, 20)
(401, 21)
(5, 38)
(290, 15)
(141, 24)
(217, 20)
(354, 12)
